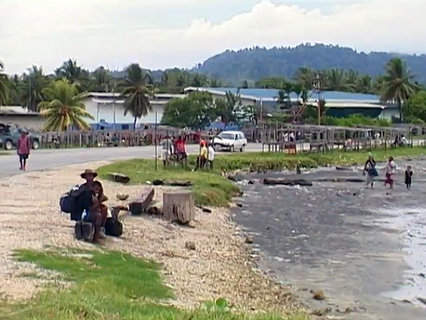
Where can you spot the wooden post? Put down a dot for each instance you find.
(179, 206)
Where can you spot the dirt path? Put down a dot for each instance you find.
(219, 267)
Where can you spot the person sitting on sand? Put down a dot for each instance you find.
(390, 172)
(98, 211)
(408, 177)
(370, 169)
(83, 196)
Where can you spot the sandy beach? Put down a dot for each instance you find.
(219, 267)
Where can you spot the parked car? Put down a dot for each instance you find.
(230, 140)
(9, 136)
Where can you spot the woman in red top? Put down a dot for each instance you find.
(23, 148)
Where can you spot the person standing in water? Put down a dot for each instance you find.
(23, 149)
(390, 172)
(408, 177)
(370, 169)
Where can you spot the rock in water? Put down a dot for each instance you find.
(249, 240)
(287, 182)
(319, 295)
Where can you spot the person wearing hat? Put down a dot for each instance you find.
(84, 194)
(92, 201)
(23, 149)
(89, 175)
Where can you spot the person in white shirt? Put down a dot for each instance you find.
(211, 156)
(390, 172)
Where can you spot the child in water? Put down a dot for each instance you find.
(408, 177)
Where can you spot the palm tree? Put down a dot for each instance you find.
(101, 80)
(63, 107)
(336, 80)
(364, 84)
(32, 88)
(74, 73)
(137, 93)
(398, 83)
(351, 79)
(304, 76)
(4, 90)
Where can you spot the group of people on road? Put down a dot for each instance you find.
(390, 171)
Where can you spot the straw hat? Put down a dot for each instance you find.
(88, 171)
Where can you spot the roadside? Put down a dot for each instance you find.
(218, 267)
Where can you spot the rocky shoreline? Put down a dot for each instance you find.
(218, 265)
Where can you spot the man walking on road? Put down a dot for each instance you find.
(24, 148)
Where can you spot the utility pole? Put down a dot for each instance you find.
(29, 90)
(317, 88)
(113, 105)
(155, 139)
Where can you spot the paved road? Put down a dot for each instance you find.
(53, 158)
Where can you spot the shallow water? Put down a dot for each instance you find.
(366, 249)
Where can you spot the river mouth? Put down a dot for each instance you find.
(365, 249)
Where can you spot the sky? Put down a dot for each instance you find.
(162, 34)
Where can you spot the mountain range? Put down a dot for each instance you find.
(252, 64)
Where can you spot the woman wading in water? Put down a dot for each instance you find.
(390, 172)
(370, 169)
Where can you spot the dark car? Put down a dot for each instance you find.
(9, 136)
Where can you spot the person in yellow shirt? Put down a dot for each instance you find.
(202, 158)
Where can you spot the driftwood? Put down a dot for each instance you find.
(179, 183)
(179, 206)
(287, 182)
(119, 177)
(142, 203)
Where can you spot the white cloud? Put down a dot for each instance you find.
(115, 33)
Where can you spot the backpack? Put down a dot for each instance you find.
(68, 200)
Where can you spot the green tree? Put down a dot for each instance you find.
(271, 83)
(15, 90)
(230, 109)
(336, 80)
(32, 87)
(136, 93)
(414, 109)
(304, 77)
(74, 73)
(101, 80)
(364, 84)
(63, 107)
(215, 83)
(398, 83)
(351, 80)
(4, 89)
(196, 111)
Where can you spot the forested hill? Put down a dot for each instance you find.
(257, 63)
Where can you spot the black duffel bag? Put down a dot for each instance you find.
(113, 227)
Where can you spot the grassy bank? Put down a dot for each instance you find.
(211, 188)
(109, 285)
